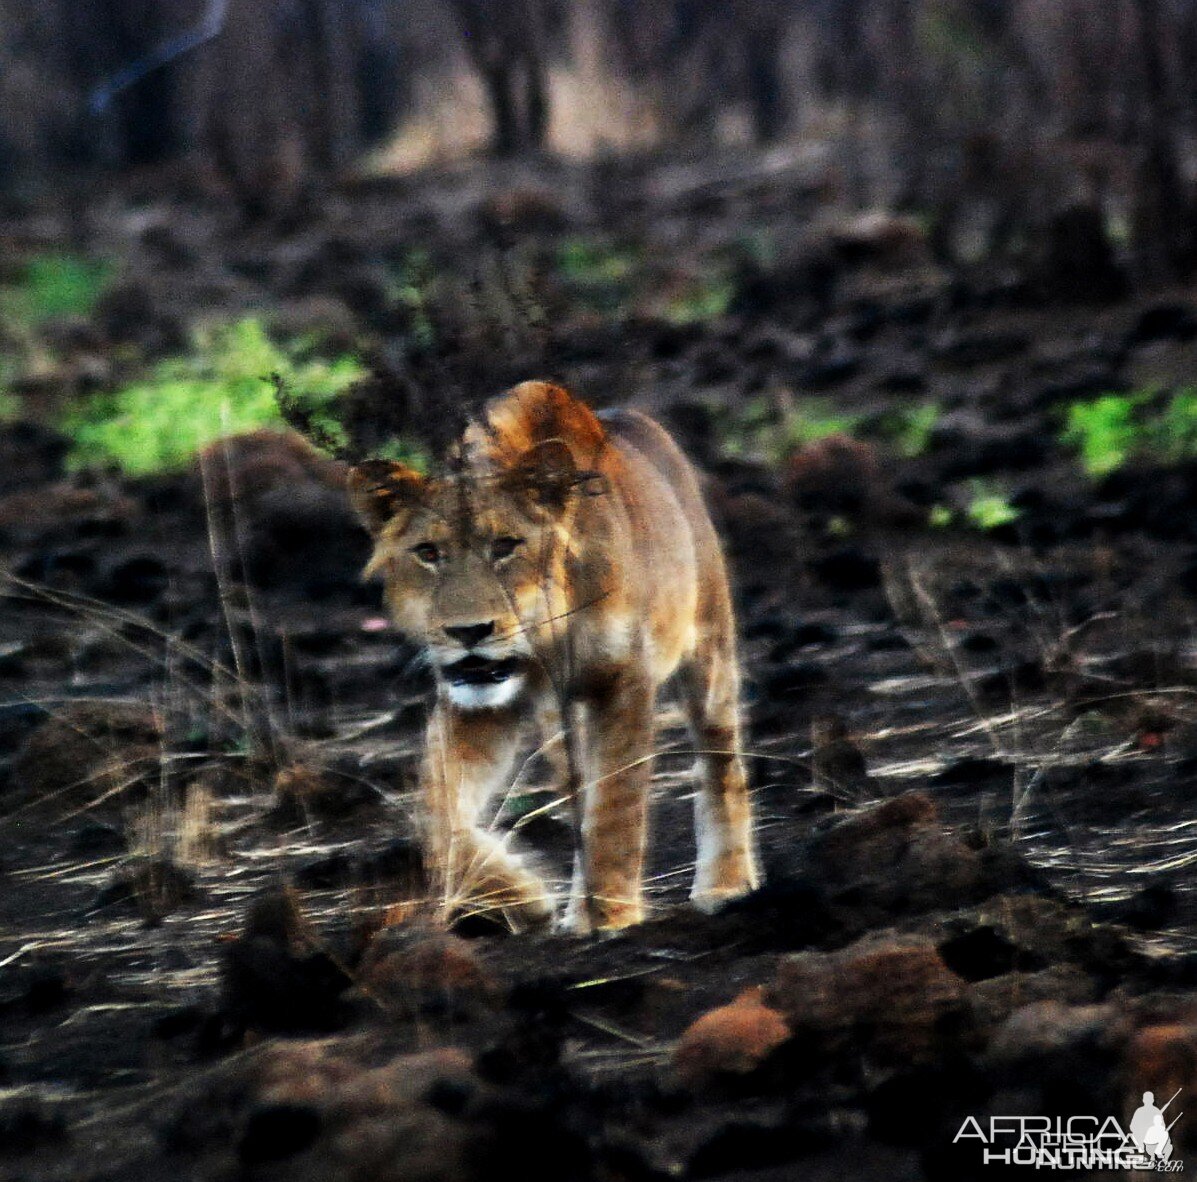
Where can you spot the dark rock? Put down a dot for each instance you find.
(910, 1106)
(983, 952)
(95, 839)
(896, 857)
(1164, 322)
(90, 751)
(155, 886)
(274, 1132)
(1077, 262)
(801, 636)
(138, 580)
(47, 987)
(965, 349)
(792, 680)
(969, 771)
(1148, 909)
(307, 540)
(848, 569)
(29, 1126)
(30, 454)
(272, 979)
(832, 368)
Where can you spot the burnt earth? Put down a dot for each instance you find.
(972, 752)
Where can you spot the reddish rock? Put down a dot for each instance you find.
(898, 856)
(249, 466)
(890, 992)
(363, 1123)
(86, 752)
(65, 503)
(995, 999)
(1163, 1059)
(1044, 1029)
(438, 968)
(732, 1040)
(837, 474)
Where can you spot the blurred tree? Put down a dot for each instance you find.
(702, 57)
(1163, 207)
(1015, 126)
(505, 42)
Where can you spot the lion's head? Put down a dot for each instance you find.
(473, 561)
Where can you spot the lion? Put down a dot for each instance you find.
(564, 568)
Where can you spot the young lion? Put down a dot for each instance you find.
(567, 562)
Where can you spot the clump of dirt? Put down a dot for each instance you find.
(89, 753)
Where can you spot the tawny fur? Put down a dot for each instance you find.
(616, 583)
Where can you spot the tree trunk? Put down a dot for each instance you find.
(765, 90)
(1163, 237)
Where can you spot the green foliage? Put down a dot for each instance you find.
(611, 278)
(603, 276)
(702, 300)
(404, 452)
(53, 285)
(221, 388)
(411, 282)
(1172, 434)
(1111, 430)
(10, 407)
(1104, 431)
(989, 508)
(586, 262)
(760, 429)
(810, 420)
(908, 429)
(940, 517)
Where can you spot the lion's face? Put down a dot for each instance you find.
(471, 567)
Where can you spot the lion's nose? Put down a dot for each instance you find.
(470, 634)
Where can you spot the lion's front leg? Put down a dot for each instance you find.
(469, 755)
(726, 862)
(607, 890)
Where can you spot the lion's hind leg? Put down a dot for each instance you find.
(468, 759)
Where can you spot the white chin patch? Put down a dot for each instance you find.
(486, 697)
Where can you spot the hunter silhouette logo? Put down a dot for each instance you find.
(1079, 1142)
(1148, 1130)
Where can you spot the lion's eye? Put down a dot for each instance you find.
(502, 548)
(427, 553)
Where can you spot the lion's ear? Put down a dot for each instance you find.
(549, 474)
(380, 489)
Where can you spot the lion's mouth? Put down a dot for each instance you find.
(474, 670)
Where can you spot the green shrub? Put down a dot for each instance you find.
(53, 285)
(1172, 435)
(222, 388)
(411, 280)
(989, 508)
(811, 420)
(908, 429)
(603, 276)
(940, 517)
(591, 263)
(702, 300)
(1110, 431)
(1105, 431)
(760, 429)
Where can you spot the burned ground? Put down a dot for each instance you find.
(972, 749)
